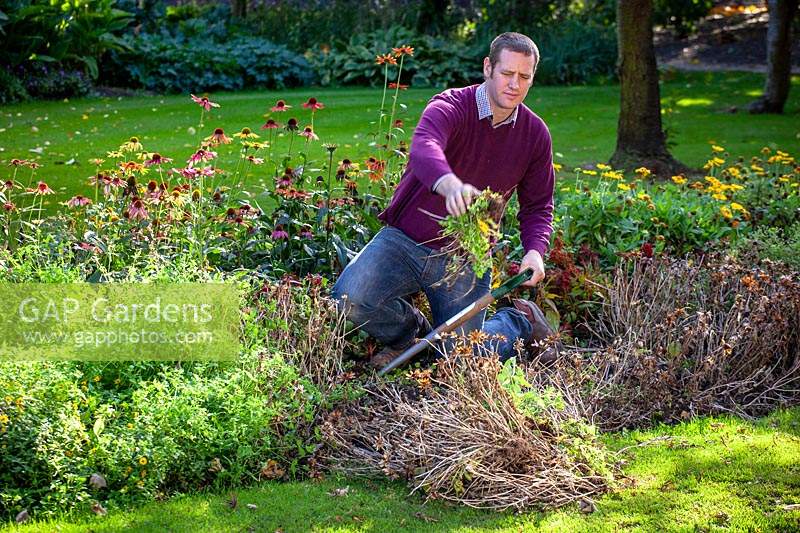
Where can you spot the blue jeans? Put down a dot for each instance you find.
(392, 266)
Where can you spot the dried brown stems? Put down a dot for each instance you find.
(461, 438)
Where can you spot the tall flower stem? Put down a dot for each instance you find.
(394, 108)
(383, 101)
(328, 209)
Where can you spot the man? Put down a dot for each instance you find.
(467, 139)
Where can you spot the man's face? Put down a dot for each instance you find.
(508, 83)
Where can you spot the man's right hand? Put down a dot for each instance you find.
(457, 194)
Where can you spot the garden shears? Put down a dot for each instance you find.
(458, 319)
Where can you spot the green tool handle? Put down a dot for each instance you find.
(458, 319)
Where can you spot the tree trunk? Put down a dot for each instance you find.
(239, 8)
(779, 57)
(640, 137)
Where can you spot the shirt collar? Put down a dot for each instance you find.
(485, 110)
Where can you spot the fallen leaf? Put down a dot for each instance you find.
(252, 506)
(272, 470)
(97, 481)
(339, 492)
(99, 510)
(586, 506)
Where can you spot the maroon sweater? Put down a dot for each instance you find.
(450, 138)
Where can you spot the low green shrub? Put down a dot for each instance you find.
(776, 244)
(164, 63)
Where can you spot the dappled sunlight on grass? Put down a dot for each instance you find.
(688, 102)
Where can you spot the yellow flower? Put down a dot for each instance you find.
(96, 379)
(737, 207)
(565, 189)
(623, 186)
(651, 206)
(602, 166)
(115, 154)
(612, 175)
(142, 461)
(643, 196)
(483, 227)
(756, 168)
(557, 167)
(590, 172)
(246, 133)
(783, 179)
(133, 145)
(4, 419)
(680, 180)
(717, 149)
(719, 196)
(725, 211)
(643, 172)
(766, 150)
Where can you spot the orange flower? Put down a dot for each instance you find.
(386, 58)
(403, 51)
(394, 85)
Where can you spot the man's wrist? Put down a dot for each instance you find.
(444, 184)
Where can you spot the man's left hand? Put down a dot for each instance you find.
(533, 260)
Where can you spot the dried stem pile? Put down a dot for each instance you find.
(306, 328)
(684, 338)
(459, 435)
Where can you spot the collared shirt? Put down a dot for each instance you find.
(484, 111)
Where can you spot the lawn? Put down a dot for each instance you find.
(708, 474)
(64, 136)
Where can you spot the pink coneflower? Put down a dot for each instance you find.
(280, 106)
(137, 210)
(218, 137)
(116, 181)
(279, 233)
(88, 247)
(206, 171)
(291, 125)
(42, 189)
(307, 234)
(156, 159)
(647, 250)
(189, 173)
(270, 125)
(309, 134)
(18, 162)
(398, 123)
(312, 103)
(201, 155)
(394, 85)
(8, 185)
(255, 160)
(285, 181)
(9, 206)
(204, 102)
(33, 164)
(78, 201)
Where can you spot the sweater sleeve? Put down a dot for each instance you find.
(535, 194)
(438, 122)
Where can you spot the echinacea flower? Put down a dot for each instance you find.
(132, 145)
(330, 147)
(395, 85)
(18, 162)
(218, 137)
(346, 165)
(646, 250)
(309, 134)
(78, 201)
(307, 233)
(270, 125)
(137, 210)
(398, 123)
(8, 185)
(201, 155)
(279, 233)
(246, 133)
(280, 106)
(129, 167)
(284, 181)
(291, 125)
(9, 206)
(254, 160)
(312, 103)
(97, 161)
(204, 102)
(41, 189)
(156, 159)
(385, 59)
(403, 51)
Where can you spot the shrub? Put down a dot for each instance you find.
(52, 81)
(175, 64)
(776, 244)
(11, 88)
(576, 52)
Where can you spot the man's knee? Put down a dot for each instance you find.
(352, 301)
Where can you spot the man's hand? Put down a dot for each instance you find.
(457, 194)
(533, 260)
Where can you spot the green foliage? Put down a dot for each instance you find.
(174, 64)
(72, 32)
(576, 52)
(776, 244)
(682, 15)
(473, 234)
(11, 88)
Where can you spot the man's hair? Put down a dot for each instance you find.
(515, 42)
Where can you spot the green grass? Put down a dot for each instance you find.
(582, 120)
(709, 474)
